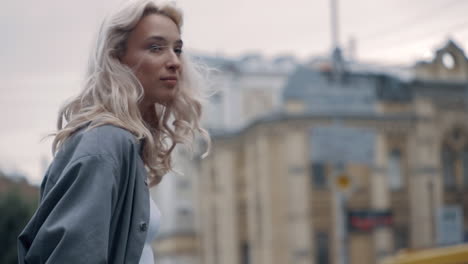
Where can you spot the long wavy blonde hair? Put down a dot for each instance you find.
(112, 93)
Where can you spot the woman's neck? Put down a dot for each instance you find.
(148, 113)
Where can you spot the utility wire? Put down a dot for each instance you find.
(412, 21)
(460, 27)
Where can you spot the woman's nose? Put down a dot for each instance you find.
(173, 62)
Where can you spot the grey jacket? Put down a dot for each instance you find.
(94, 203)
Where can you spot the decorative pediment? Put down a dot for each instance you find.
(449, 64)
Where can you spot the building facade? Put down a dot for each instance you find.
(243, 89)
(356, 166)
(177, 241)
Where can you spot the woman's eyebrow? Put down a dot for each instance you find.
(162, 39)
(157, 38)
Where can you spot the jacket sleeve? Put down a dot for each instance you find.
(73, 221)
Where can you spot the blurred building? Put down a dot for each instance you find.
(391, 147)
(243, 89)
(177, 241)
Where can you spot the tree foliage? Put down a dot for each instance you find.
(15, 212)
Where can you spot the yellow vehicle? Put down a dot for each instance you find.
(445, 255)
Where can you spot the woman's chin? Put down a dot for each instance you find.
(166, 99)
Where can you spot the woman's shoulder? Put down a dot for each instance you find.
(110, 134)
(106, 140)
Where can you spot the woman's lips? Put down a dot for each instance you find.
(171, 81)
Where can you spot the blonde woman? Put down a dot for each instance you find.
(141, 98)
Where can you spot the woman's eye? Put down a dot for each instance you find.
(178, 51)
(156, 48)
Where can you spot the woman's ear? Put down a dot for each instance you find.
(119, 52)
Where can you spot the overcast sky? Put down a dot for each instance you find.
(44, 46)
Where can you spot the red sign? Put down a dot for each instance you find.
(367, 220)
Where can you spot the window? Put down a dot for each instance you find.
(216, 98)
(454, 158)
(214, 182)
(401, 237)
(318, 177)
(448, 60)
(245, 258)
(394, 170)
(465, 166)
(214, 235)
(448, 167)
(183, 184)
(184, 217)
(322, 249)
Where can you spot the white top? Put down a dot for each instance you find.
(147, 256)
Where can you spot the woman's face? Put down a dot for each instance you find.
(153, 52)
